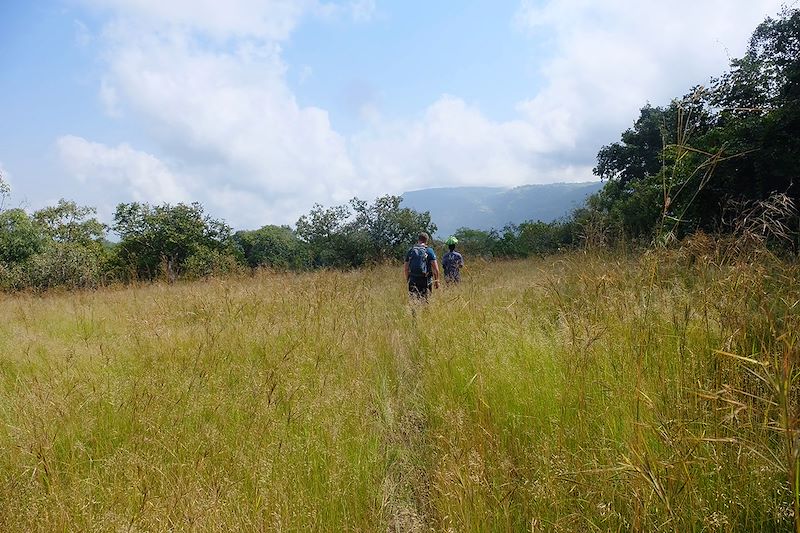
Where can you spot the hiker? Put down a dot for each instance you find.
(452, 262)
(421, 269)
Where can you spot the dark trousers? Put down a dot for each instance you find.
(419, 287)
(452, 277)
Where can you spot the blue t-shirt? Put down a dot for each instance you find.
(452, 262)
(431, 257)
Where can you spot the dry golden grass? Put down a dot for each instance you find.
(570, 393)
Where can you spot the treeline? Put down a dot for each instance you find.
(66, 246)
(713, 154)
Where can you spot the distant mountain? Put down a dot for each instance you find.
(493, 207)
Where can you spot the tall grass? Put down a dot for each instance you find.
(572, 393)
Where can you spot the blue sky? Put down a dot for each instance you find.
(260, 108)
(405, 63)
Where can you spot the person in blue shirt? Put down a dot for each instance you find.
(452, 262)
(421, 269)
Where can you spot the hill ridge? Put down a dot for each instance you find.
(486, 208)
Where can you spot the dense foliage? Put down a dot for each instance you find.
(66, 246)
(359, 233)
(59, 246)
(170, 241)
(685, 166)
(272, 246)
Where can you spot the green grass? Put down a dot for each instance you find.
(572, 393)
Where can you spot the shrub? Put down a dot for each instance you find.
(63, 265)
(206, 262)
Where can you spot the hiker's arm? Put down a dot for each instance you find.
(405, 270)
(435, 270)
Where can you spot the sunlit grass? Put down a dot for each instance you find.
(569, 393)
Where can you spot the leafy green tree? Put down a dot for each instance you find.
(160, 239)
(633, 211)
(207, 261)
(349, 236)
(272, 246)
(537, 237)
(505, 243)
(322, 223)
(20, 236)
(475, 242)
(389, 228)
(64, 264)
(330, 243)
(758, 115)
(680, 167)
(530, 237)
(639, 153)
(67, 222)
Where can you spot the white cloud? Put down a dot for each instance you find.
(110, 100)
(83, 36)
(140, 175)
(362, 10)
(610, 58)
(264, 19)
(272, 20)
(305, 73)
(606, 60)
(232, 110)
(455, 144)
(223, 113)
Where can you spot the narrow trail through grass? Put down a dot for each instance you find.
(403, 488)
(651, 393)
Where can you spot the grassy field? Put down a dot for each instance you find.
(572, 393)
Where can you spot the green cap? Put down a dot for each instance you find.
(451, 240)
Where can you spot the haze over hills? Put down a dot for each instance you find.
(486, 208)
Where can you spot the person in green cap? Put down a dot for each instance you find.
(452, 262)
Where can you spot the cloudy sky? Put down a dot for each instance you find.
(260, 108)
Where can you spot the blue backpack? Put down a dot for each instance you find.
(418, 261)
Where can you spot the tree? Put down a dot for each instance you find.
(544, 237)
(156, 239)
(64, 264)
(330, 243)
(757, 107)
(67, 222)
(350, 236)
(20, 236)
(475, 242)
(272, 246)
(389, 228)
(680, 167)
(639, 152)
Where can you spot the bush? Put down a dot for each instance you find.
(274, 247)
(206, 262)
(64, 265)
(20, 237)
(10, 277)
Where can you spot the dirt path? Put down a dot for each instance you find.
(405, 488)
